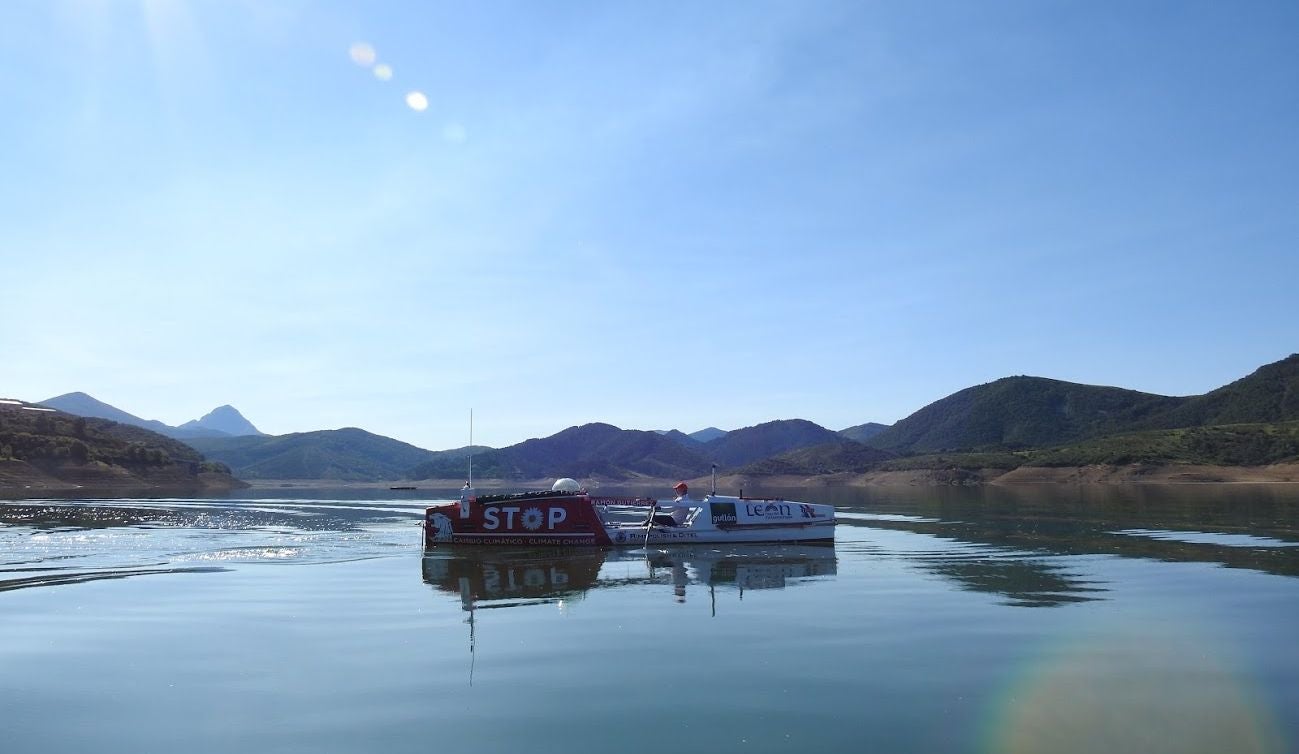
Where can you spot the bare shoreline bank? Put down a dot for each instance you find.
(21, 479)
(1070, 475)
(15, 485)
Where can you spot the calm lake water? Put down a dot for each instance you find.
(1104, 619)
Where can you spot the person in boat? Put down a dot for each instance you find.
(679, 509)
(682, 505)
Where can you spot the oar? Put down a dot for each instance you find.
(649, 523)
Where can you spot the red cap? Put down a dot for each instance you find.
(680, 486)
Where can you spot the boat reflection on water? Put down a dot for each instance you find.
(497, 577)
(508, 577)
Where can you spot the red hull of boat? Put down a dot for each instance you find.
(563, 519)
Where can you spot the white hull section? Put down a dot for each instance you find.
(720, 519)
(634, 536)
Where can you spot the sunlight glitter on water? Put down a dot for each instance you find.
(251, 554)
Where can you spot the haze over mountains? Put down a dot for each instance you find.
(694, 439)
(594, 450)
(223, 421)
(707, 434)
(603, 450)
(1017, 419)
(348, 454)
(863, 432)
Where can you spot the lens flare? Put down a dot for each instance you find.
(1174, 694)
(362, 54)
(417, 101)
(383, 72)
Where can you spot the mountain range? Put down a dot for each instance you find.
(694, 439)
(348, 454)
(223, 421)
(591, 450)
(1033, 412)
(1011, 421)
(605, 451)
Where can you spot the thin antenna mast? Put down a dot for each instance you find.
(467, 494)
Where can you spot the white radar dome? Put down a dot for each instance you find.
(566, 485)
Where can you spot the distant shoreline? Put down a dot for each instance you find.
(19, 479)
(1136, 474)
(1287, 473)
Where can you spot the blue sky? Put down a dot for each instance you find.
(652, 214)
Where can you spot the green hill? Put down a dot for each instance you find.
(863, 432)
(1021, 412)
(831, 458)
(490, 463)
(744, 446)
(343, 454)
(81, 404)
(1220, 445)
(1269, 394)
(45, 448)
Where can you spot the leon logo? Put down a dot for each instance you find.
(769, 510)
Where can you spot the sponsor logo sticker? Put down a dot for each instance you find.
(723, 513)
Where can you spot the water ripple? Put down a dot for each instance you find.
(56, 578)
(1207, 538)
(93, 540)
